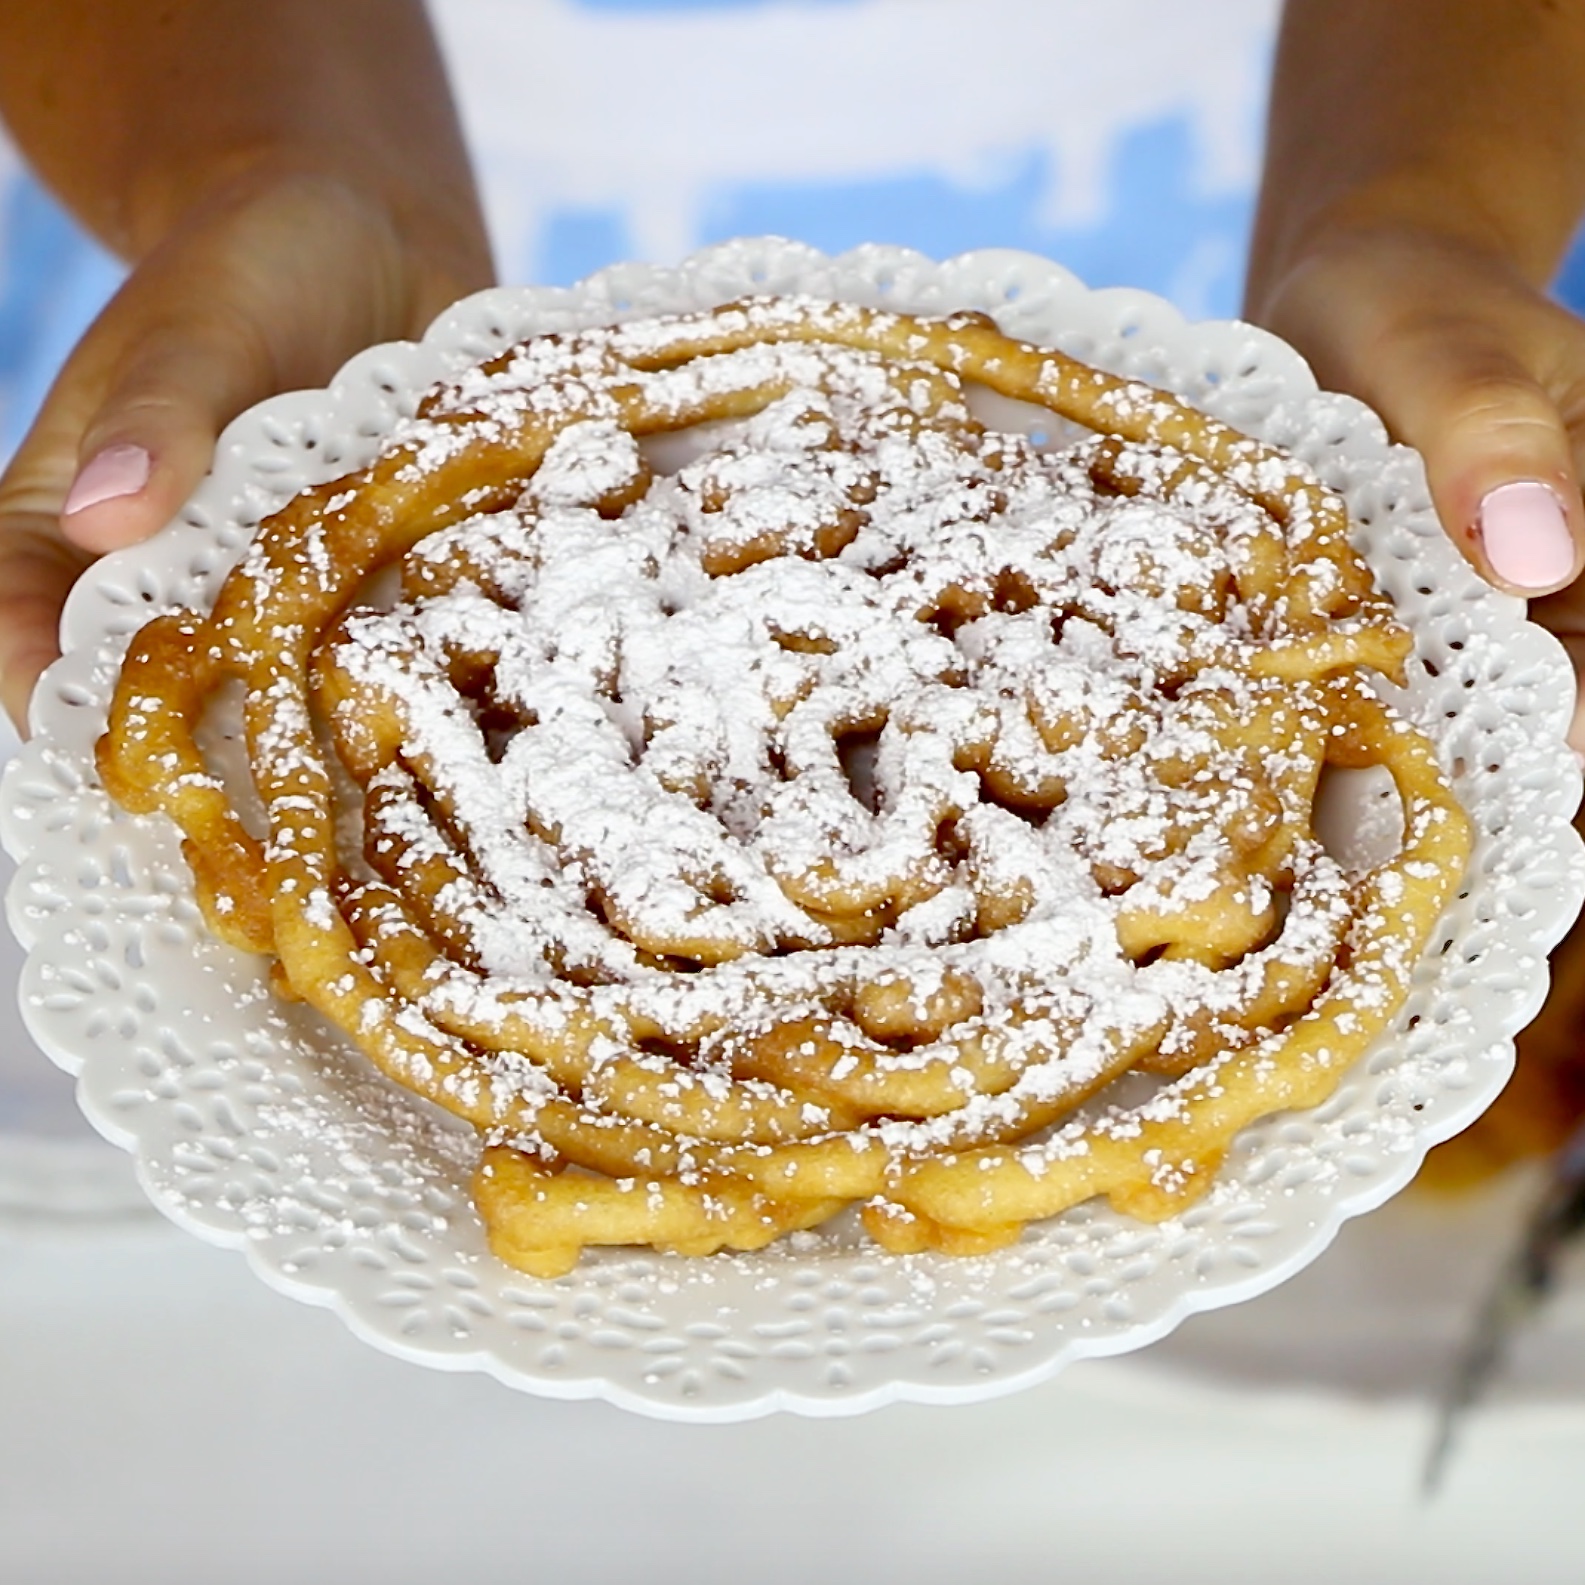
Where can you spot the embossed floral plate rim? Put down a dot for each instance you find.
(255, 1129)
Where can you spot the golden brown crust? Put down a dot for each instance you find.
(928, 1090)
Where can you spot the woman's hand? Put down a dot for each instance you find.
(266, 286)
(1476, 369)
(1425, 170)
(289, 183)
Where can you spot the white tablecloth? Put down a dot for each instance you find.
(167, 1419)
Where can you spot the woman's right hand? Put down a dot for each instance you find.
(290, 184)
(270, 284)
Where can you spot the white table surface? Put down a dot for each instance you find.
(169, 1419)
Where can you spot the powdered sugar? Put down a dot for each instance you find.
(671, 680)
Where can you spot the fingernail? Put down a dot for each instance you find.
(114, 472)
(1526, 535)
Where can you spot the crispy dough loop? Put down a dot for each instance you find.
(826, 822)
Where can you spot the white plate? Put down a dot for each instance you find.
(256, 1128)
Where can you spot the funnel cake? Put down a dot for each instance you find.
(833, 820)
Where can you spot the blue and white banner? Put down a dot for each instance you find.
(1120, 138)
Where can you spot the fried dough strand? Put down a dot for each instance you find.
(827, 822)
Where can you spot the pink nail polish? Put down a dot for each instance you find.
(1526, 535)
(113, 472)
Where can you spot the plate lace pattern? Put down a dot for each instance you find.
(256, 1129)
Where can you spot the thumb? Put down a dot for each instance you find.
(1498, 458)
(261, 292)
(150, 435)
(269, 290)
(1471, 366)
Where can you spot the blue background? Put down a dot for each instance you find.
(1158, 225)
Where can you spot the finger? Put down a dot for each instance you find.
(149, 440)
(1468, 364)
(271, 291)
(37, 565)
(145, 399)
(1563, 615)
(39, 569)
(245, 303)
(1575, 647)
(1498, 457)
